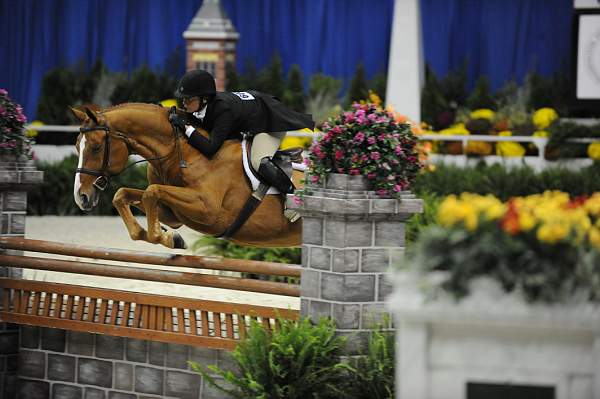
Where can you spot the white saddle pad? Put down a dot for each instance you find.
(253, 180)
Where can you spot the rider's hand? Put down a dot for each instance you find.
(177, 120)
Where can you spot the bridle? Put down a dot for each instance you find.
(103, 177)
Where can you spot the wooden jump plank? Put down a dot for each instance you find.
(152, 335)
(180, 321)
(91, 310)
(229, 325)
(80, 307)
(103, 311)
(149, 299)
(25, 301)
(48, 299)
(58, 308)
(193, 322)
(137, 312)
(204, 321)
(36, 303)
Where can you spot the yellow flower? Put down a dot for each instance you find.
(374, 98)
(483, 113)
(540, 133)
(551, 233)
(526, 221)
(479, 148)
(33, 132)
(457, 129)
(509, 149)
(453, 211)
(543, 117)
(171, 102)
(593, 151)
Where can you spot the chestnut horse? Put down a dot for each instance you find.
(206, 196)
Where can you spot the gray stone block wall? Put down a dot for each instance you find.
(59, 364)
(351, 237)
(15, 180)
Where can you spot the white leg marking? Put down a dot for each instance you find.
(77, 184)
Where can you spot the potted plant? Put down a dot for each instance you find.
(15, 146)
(366, 141)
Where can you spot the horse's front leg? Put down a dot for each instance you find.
(185, 200)
(123, 200)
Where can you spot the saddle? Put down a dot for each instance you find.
(288, 160)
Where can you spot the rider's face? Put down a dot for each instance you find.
(191, 104)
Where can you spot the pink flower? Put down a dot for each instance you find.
(382, 192)
(364, 158)
(371, 175)
(339, 154)
(371, 140)
(375, 155)
(398, 150)
(359, 138)
(326, 126)
(381, 137)
(397, 188)
(3, 92)
(336, 130)
(297, 200)
(372, 117)
(382, 119)
(354, 172)
(349, 117)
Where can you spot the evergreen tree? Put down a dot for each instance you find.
(249, 79)
(358, 86)
(271, 78)
(454, 87)
(481, 96)
(58, 93)
(143, 86)
(233, 81)
(379, 85)
(294, 91)
(433, 102)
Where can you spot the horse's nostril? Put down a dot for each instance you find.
(84, 200)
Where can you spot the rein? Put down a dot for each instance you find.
(103, 176)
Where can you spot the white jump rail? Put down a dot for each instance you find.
(539, 142)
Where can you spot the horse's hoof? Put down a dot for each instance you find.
(178, 241)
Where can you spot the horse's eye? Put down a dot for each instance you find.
(96, 147)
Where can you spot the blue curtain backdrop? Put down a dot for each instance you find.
(502, 39)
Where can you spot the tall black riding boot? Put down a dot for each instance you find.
(274, 176)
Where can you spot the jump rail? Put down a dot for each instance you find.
(131, 314)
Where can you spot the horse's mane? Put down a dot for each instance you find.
(145, 106)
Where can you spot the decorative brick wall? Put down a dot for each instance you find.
(16, 178)
(350, 239)
(59, 364)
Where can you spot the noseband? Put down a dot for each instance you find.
(103, 177)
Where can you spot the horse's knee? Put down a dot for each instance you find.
(119, 197)
(151, 193)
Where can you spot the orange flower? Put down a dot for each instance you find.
(510, 221)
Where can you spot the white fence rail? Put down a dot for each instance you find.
(538, 162)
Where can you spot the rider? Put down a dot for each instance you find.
(225, 115)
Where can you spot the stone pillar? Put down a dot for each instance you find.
(16, 178)
(350, 239)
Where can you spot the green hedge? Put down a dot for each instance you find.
(505, 182)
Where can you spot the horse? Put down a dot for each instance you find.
(206, 194)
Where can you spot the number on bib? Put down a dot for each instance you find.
(244, 95)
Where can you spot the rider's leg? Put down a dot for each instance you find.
(264, 146)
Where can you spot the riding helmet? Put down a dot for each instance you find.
(196, 83)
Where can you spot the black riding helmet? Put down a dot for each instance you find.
(196, 83)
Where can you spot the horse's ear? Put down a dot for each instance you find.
(91, 114)
(80, 115)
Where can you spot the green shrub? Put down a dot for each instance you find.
(372, 374)
(55, 195)
(505, 182)
(298, 360)
(419, 221)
